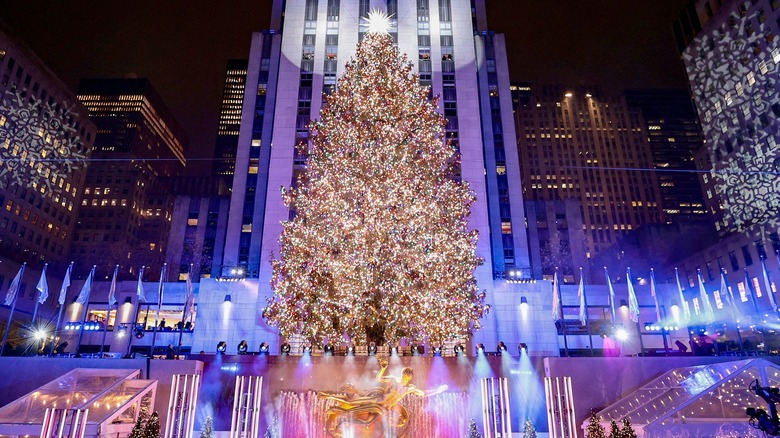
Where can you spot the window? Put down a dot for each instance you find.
(746, 255)
(757, 287)
(742, 291)
(734, 261)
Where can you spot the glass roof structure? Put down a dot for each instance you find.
(704, 400)
(113, 397)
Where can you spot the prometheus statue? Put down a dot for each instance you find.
(376, 412)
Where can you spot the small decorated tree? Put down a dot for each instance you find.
(628, 430)
(614, 429)
(208, 428)
(152, 428)
(473, 431)
(138, 429)
(529, 431)
(595, 429)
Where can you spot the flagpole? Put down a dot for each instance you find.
(37, 299)
(631, 302)
(752, 290)
(159, 305)
(62, 306)
(13, 307)
(587, 316)
(111, 292)
(84, 312)
(654, 293)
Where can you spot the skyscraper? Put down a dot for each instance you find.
(126, 208)
(575, 143)
(299, 59)
(230, 120)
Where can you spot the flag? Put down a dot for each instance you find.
(725, 291)
(751, 290)
(556, 298)
(581, 294)
(86, 288)
(611, 294)
(709, 314)
(768, 286)
(140, 286)
(112, 289)
(683, 303)
(189, 299)
(65, 285)
(160, 286)
(13, 288)
(654, 294)
(43, 286)
(633, 305)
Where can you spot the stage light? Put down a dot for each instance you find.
(501, 347)
(128, 300)
(351, 350)
(242, 347)
(264, 347)
(228, 298)
(480, 349)
(121, 331)
(392, 349)
(221, 347)
(306, 349)
(459, 349)
(372, 348)
(39, 334)
(139, 331)
(285, 349)
(522, 348)
(621, 334)
(623, 304)
(523, 303)
(437, 350)
(328, 350)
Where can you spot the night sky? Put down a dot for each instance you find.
(183, 47)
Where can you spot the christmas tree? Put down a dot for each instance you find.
(614, 429)
(628, 430)
(138, 428)
(595, 429)
(152, 428)
(529, 431)
(208, 428)
(473, 431)
(273, 429)
(379, 247)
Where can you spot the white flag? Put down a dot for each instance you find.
(709, 314)
(654, 294)
(581, 294)
(611, 294)
(65, 285)
(43, 286)
(13, 288)
(684, 304)
(161, 286)
(112, 289)
(633, 304)
(83, 297)
(556, 300)
(139, 288)
(189, 300)
(725, 291)
(768, 286)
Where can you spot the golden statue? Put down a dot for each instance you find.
(376, 412)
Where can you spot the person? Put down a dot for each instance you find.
(170, 353)
(162, 324)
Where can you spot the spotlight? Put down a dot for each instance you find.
(242, 347)
(480, 349)
(306, 349)
(139, 331)
(351, 350)
(39, 334)
(264, 348)
(122, 331)
(623, 304)
(372, 348)
(523, 303)
(522, 348)
(221, 347)
(392, 349)
(328, 350)
(285, 349)
(128, 300)
(621, 334)
(501, 347)
(437, 350)
(459, 349)
(228, 298)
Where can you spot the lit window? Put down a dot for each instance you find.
(757, 287)
(718, 300)
(776, 55)
(763, 67)
(696, 308)
(751, 78)
(192, 222)
(739, 89)
(246, 228)
(252, 170)
(256, 143)
(501, 170)
(506, 227)
(152, 246)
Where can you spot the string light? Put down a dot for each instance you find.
(379, 241)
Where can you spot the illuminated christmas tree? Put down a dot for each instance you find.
(379, 247)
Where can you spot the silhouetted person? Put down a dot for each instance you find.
(170, 353)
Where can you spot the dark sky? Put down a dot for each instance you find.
(183, 46)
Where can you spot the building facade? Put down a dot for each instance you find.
(732, 57)
(674, 136)
(577, 144)
(126, 208)
(230, 120)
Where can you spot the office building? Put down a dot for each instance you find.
(230, 120)
(127, 205)
(575, 143)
